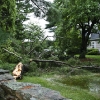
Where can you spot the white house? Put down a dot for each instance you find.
(94, 41)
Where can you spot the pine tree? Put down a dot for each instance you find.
(7, 15)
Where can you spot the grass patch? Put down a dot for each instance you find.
(94, 58)
(90, 60)
(71, 92)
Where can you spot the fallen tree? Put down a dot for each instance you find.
(39, 60)
(19, 70)
(12, 53)
(91, 68)
(51, 61)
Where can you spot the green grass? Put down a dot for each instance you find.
(91, 60)
(71, 92)
(96, 58)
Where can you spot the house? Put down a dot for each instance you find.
(94, 41)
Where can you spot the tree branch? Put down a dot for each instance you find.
(37, 6)
(52, 61)
(12, 53)
(39, 44)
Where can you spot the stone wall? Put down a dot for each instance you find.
(12, 90)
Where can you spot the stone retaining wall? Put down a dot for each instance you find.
(12, 90)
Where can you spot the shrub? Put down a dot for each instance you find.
(72, 51)
(7, 57)
(32, 70)
(7, 66)
(74, 61)
(93, 52)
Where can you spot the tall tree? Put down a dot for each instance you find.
(80, 15)
(7, 15)
(40, 7)
(34, 35)
(7, 19)
(25, 7)
(7, 24)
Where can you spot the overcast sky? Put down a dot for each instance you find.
(40, 22)
(49, 0)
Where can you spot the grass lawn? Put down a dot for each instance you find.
(72, 92)
(91, 59)
(96, 58)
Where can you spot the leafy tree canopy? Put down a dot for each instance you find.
(7, 15)
(75, 14)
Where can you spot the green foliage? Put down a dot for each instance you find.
(8, 53)
(25, 60)
(3, 37)
(33, 67)
(9, 58)
(72, 51)
(23, 8)
(7, 66)
(7, 26)
(7, 15)
(33, 70)
(34, 36)
(93, 52)
(53, 58)
(75, 16)
(33, 32)
(74, 61)
(40, 7)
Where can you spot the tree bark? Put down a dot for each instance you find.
(83, 47)
(51, 61)
(12, 53)
(86, 31)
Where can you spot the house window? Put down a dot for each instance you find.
(93, 44)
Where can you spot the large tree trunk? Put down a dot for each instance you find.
(86, 31)
(83, 48)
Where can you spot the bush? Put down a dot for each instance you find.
(6, 57)
(72, 51)
(93, 52)
(74, 61)
(7, 66)
(33, 67)
(33, 70)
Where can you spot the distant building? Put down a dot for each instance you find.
(94, 41)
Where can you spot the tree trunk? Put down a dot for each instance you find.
(83, 47)
(86, 31)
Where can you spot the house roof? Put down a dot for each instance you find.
(95, 36)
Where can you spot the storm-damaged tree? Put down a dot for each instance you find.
(78, 15)
(13, 14)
